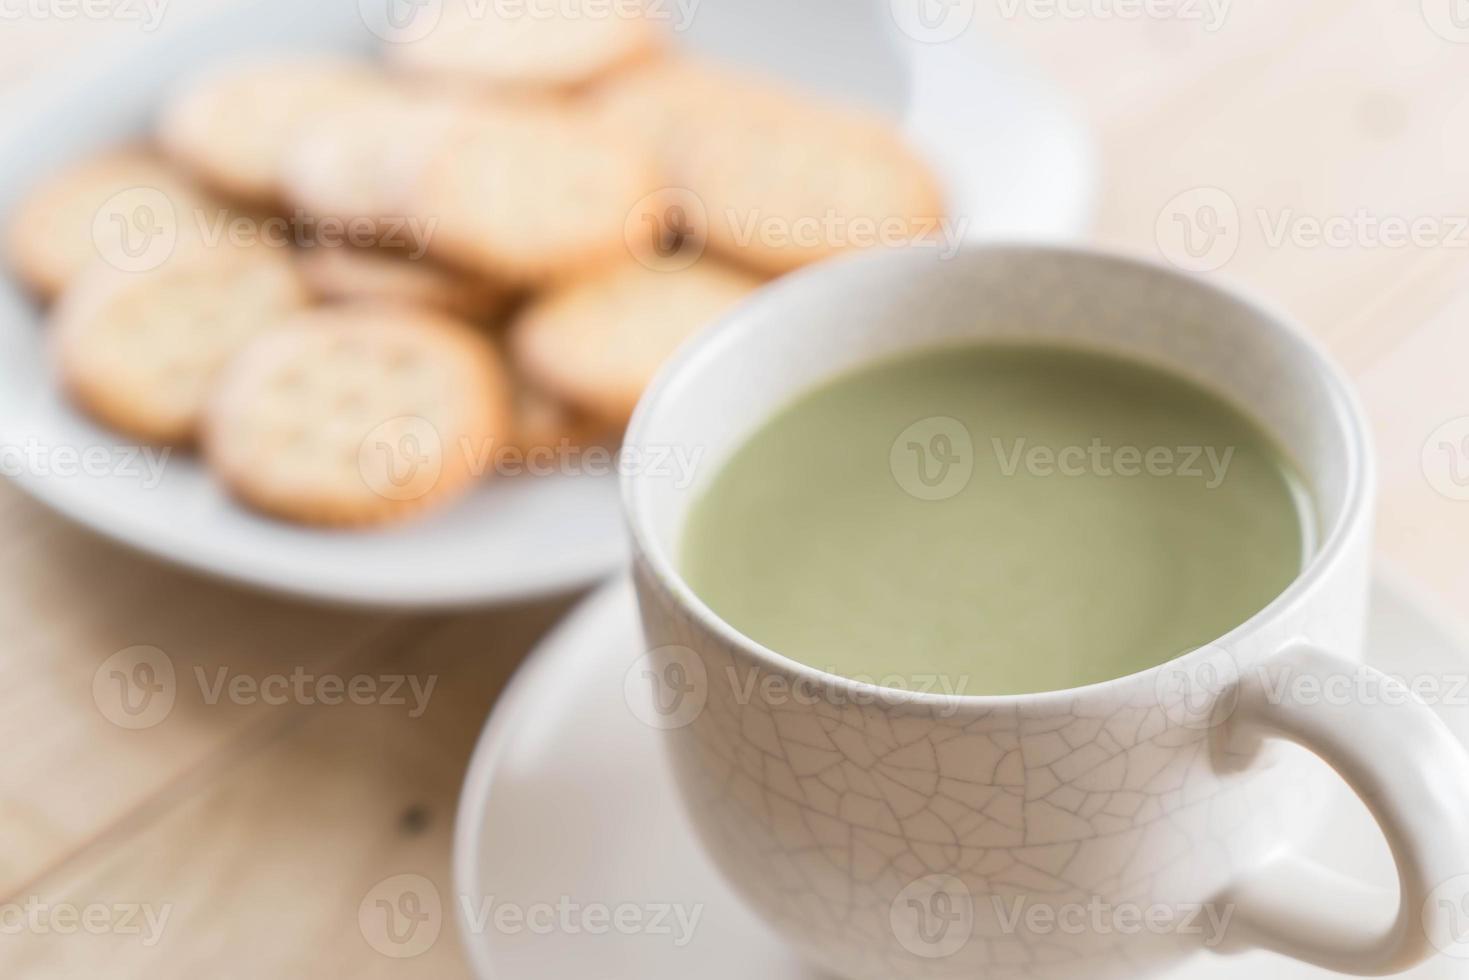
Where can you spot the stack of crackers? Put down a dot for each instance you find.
(349, 284)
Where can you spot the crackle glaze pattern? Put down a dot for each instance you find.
(825, 813)
(893, 837)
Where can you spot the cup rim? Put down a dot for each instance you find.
(1345, 406)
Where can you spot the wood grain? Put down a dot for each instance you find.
(261, 828)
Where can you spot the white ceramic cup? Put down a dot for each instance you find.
(1110, 830)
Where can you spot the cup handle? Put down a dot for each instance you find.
(1412, 773)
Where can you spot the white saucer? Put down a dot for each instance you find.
(547, 816)
(1011, 155)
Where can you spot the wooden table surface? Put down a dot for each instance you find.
(261, 828)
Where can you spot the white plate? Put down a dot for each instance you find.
(569, 797)
(1012, 156)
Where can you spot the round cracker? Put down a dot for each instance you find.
(657, 100)
(363, 161)
(546, 423)
(384, 276)
(235, 126)
(126, 207)
(527, 193)
(356, 415)
(544, 44)
(777, 181)
(140, 351)
(598, 342)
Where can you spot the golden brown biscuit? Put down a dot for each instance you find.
(140, 351)
(543, 422)
(530, 193)
(596, 343)
(357, 414)
(774, 180)
(364, 161)
(388, 276)
(658, 99)
(542, 44)
(126, 206)
(233, 127)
